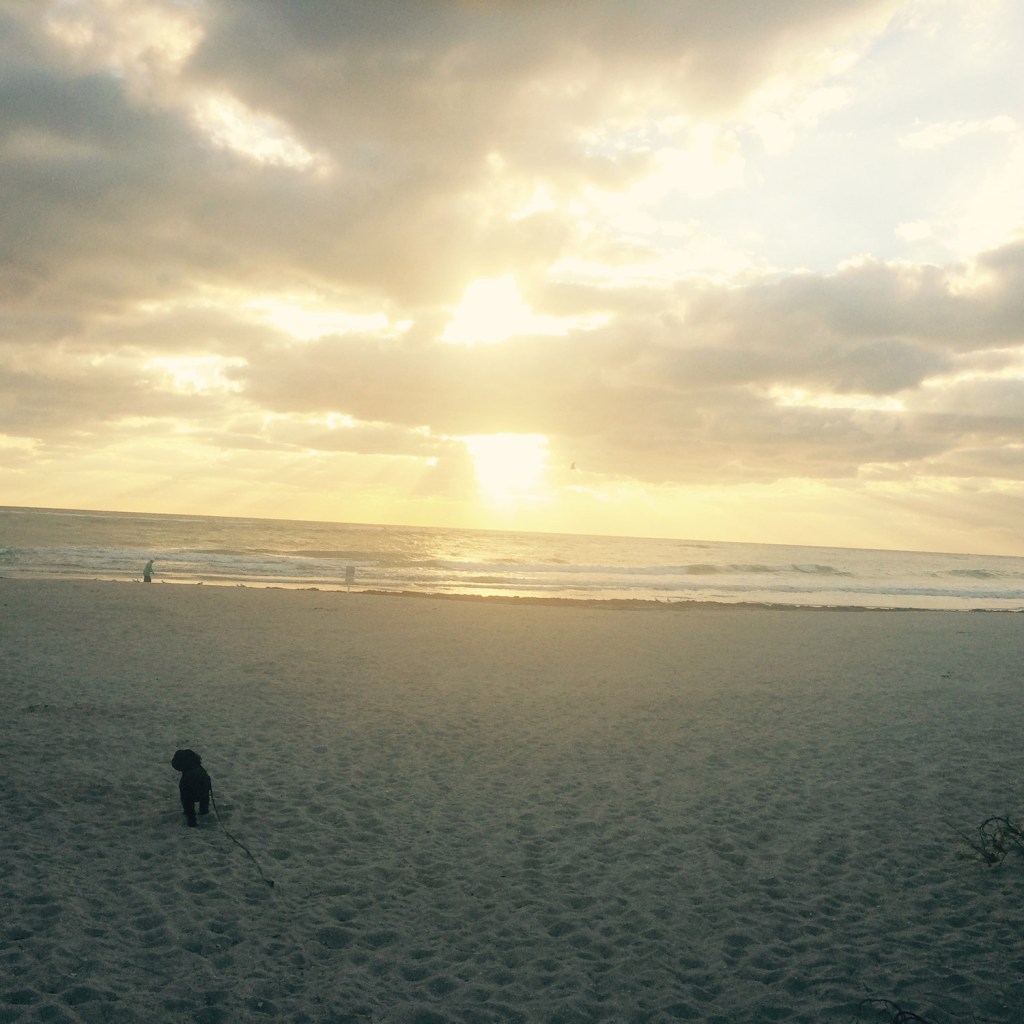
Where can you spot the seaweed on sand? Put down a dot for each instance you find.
(896, 1014)
(995, 838)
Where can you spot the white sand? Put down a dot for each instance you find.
(492, 812)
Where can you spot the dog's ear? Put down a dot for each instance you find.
(185, 759)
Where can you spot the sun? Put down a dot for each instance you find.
(509, 467)
(491, 310)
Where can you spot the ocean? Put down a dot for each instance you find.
(213, 550)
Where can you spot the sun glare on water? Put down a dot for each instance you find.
(509, 467)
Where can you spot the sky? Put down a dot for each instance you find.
(736, 271)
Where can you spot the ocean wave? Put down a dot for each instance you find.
(330, 555)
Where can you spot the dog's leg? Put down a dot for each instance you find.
(189, 807)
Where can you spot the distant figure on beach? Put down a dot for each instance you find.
(147, 573)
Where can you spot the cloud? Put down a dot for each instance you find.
(935, 136)
(408, 106)
(248, 225)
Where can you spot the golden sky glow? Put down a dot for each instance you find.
(735, 271)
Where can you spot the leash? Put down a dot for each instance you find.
(237, 842)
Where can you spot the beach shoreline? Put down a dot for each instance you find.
(494, 810)
(608, 604)
(291, 555)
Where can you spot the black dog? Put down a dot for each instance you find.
(195, 786)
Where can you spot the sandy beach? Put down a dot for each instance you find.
(483, 811)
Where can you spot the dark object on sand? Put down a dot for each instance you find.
(195, 785)
(896, 1014)
(997, 837)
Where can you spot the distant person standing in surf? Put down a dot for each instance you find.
(147, 573)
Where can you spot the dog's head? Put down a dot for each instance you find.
(183, 760)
